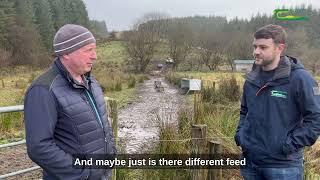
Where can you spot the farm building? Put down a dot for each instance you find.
(243, 65)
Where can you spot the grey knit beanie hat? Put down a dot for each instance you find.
(71, 37)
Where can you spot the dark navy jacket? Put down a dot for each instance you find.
(63, 118)
(279, 118)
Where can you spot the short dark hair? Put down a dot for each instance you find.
(272, 31)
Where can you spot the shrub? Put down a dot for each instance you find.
(229, 88)
(118, 85)
(10, 123)
(208, 92)
(131, 82)
(21, 84)
(142, 77)
(184, 120)
(109, 78)
(173, 78)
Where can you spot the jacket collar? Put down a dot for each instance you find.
(281, 74)
(65, 74)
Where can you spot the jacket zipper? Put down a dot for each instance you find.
(262, 88)
(94, 108)
(92, 105)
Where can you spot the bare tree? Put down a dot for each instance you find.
(211, 48)
(297, 43)
(180, 39)
(142, 40)
(140, 47)
(311, 60)
(153, 21)
(238, 45)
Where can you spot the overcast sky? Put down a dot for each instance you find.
(121, 14)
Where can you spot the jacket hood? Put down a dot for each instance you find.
(286, 65)
(295, 63)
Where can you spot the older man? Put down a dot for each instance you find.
(65, 112)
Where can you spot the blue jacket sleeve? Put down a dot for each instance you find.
(309, 104)
(40, 115)
(243, 113)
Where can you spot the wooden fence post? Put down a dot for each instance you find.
(215, 149)
(198, 135)
(112, 104)
(114, 117)
(198, 108)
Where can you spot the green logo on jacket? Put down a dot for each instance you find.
(280, 94)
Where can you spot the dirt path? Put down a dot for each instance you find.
(15, 158)
(138, 121)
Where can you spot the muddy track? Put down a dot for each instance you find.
(138, 122)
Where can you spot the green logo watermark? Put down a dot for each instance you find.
(286, 14)
(280, 94)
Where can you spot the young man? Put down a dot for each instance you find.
(65, 112)
(280, 111)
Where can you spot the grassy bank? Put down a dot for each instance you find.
(113, 51)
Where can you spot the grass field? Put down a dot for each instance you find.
(113, 51)
(123, 97)
(13, 85)
(208, 77)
